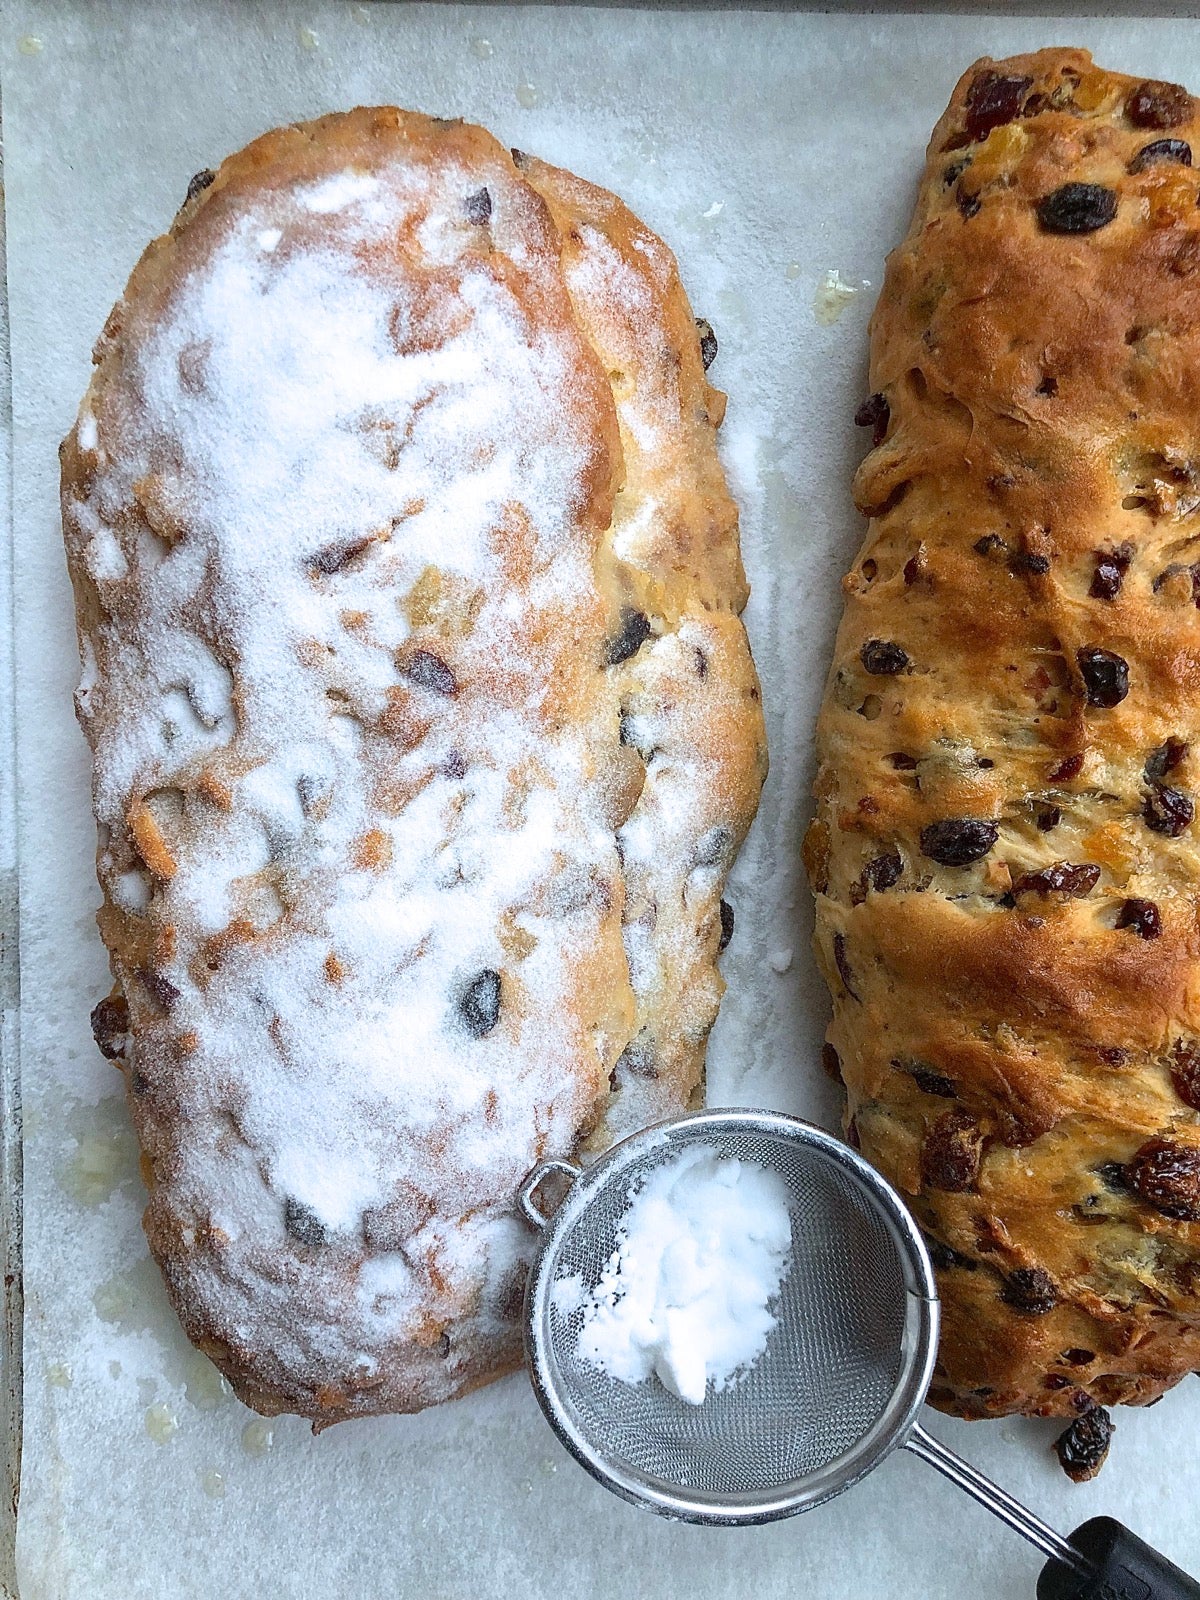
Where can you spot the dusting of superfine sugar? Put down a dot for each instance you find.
(702, 1250)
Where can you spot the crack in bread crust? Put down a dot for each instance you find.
(1011, 724)
(425, 733)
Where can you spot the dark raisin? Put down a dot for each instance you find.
(479, 1006)
(944, 1258)
(1077, 208)
(303, 1224)
(520, 158)
(632, 635)
(1154, 104)
(1076, 1357)
(1064, 877)
(701, 661)
(1048, 817)
(969, 204)
(1105, 676)
(1112, 1176)
(336, 556)
(1111, 567)
(1171, 150)
(992, 100)
(163, 990)
(1083, 1447)
(990, 545)
(903, 762)
(1030, 1289)
(876, 414)
(1070, 767)
(882, 872)
(110, 1025)
(930, 1082)
(1025, 562)
(843, 965)
(955, 170)
(1185, 1071)
(455, 765)
(1168, 811)
(913, 569)
(479, 207)
(199, 183)
(957, 841)
(637, 1060)
(951, 1153)
(1143, 916)
(1167, 1176)
(726, 926)
(831, 1062)
(708, 342)
(428, 671)
(1165, 758)
(713, 847)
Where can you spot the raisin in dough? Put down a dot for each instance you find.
(1005, 852)
(425, 733)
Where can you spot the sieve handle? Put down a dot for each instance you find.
(1123, 1567)
(1063, 1557)
(526, 1204)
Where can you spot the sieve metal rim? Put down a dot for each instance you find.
(921, 1291)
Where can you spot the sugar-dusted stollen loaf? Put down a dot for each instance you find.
(425, 733)
(1005, 851)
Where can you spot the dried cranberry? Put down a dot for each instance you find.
(1077, 208)
(1111, 567)
(1167, 1176)
(303, 1223)
(1168, 811)
(1172, 150)
(951, 1153)
(831, 1062)
(882, 872)
(1048, 817)
(199, 183)
(428, 671)
(1143, 916)
(110, 1025)
(1154, 104)
(1165, 759)
(958, 841)
(930, 1082)
(1030, 1289)
(1070, 767)
(726, 926)
(1105, 676)
(874, 413)
(883, 658)
(1064, 877)
(992, 100)
(708, 342)
(479, 207)
(843, 965)
(479, 1004)
(1185, 1071)
(633, 633)
(1083, 1447)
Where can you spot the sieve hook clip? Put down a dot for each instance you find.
(526, 1204)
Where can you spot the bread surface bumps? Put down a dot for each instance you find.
(1005, 852)
(425, 732)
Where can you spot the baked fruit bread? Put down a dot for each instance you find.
(425, 732)
(1005, 854)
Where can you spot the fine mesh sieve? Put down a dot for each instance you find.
(839, 1385)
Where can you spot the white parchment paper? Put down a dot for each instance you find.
(770, 151)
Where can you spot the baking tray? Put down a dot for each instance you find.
(778, 154)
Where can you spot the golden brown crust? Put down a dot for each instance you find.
(299, 698)
(1014, 688)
